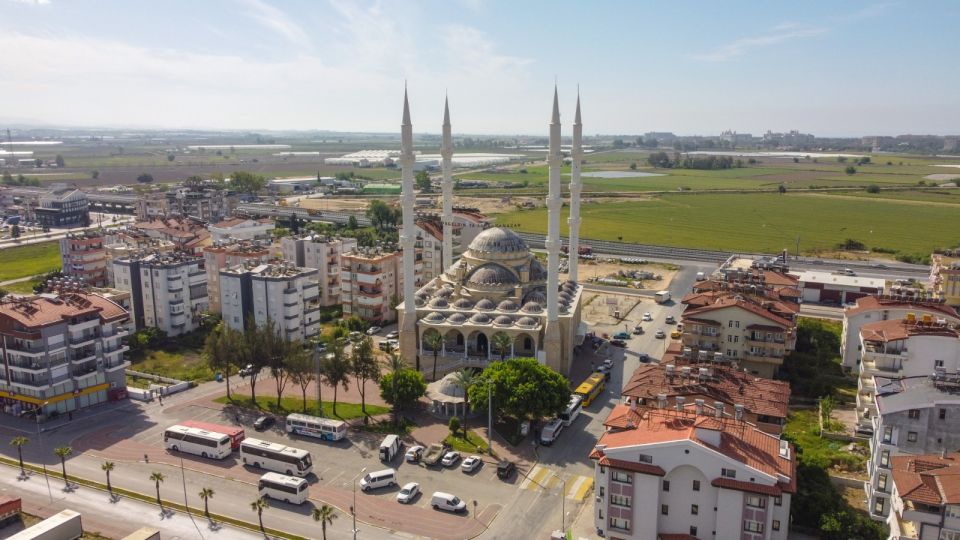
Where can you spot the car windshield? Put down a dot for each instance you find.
(455, 501)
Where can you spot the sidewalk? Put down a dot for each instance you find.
(431, 430)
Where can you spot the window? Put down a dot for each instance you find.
(601, 491)
(882, 482)
(618, 523)
(878, 506)
(600, 513)
(645, 458)
(938, 363)
(696, 485)
(603, 470)
(949, 535)
(911, 436)
(943, 414)
(755, 501)
(693, 531)
(752, 526)
(620, 500)
(778, 501)
(664, 509)
(953, 511)
(775, 525)
(887, 434)
(621, 476)
(666, 485)
(885, 458)
(913, 414)
(728, 473)
(694, 509)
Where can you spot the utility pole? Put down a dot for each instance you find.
(490, 417)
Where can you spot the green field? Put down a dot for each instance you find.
(29, 260)
(764, 223)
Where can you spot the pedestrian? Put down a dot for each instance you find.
(146, 458)
(161, 399)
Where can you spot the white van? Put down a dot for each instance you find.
(447, 502)
(378, 479)
(390, 447)
(551, 431)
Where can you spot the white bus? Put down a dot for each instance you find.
(276, 457)
(283, 488)
(314, 426)
(197, 441)
(572, 411)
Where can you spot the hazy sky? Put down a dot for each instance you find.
(831, 68)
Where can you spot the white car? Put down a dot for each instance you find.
(450, 458)
(661, 334)
(470, 464)
(414, 454)
(373, 330)
(670, 319)
(408, 493)
(647, 316)
(393, 335)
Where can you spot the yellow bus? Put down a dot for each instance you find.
(590, 388)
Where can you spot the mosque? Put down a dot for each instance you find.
(497, 287)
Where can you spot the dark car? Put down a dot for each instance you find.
(644, 357)
(263, 423)
(505, 469)
(618, 343)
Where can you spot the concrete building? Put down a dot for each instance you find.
(61, 352)
(323, 253)
(201, 202)
(839, 289)
(871, 309)
(226, 254)
(84, 257)
(168, 290)
(152, 206)
(917, 415)
(239, 228)
(186, 234)
(292, 185)
(765, 401)
(63, 207)
(278, 293)
(925, 497)
(370, 281)
(429, 249)
(945, 279)
(686, 474)
(122, 243)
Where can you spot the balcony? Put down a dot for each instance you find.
(84, 371)
(881, 363)
(80, 326)
(368, 292)
(920, 513)
(81, 340)
(333, 269)
(26, 348)
(763, 358)
(763, 340)
(114, 366)
(29, 367)
(80, 357)
(116, 350)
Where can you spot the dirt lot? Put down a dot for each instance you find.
(599, 308)
(589, 270)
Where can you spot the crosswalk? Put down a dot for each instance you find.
(540, 477)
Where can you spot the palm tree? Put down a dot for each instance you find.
(206, 494)
(19, 442)
(434, 341)
(465, 379)
(158, 477)
(325, 515)
(107, 467)
(259, 506)
(62, 452)
(502, 342)
(396, 366)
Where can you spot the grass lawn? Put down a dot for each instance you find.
(472, 444)
(138, 382)
(22, 287)
(185, 366)
(764, 223)
(29, 260)
(803, 429)
(266, 402)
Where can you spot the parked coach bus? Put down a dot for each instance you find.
(235, 433)
(314, 426)
(201, 442)
(276, 457)
(283, 488)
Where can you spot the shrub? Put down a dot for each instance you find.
(873, 188)
(454, 425)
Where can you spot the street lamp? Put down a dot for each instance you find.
(563, 501)
(353, 509)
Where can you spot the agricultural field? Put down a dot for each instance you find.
(765, 222)
(29, 260)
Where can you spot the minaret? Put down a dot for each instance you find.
(575, 186)
(408, 332)
(446, 152)
(552, 340)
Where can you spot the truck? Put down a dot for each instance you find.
(434, 453)
(662, 297)
(581, 249)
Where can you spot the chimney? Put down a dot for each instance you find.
(738, 412)
(661, 401)
(699, 406)
(669, 369)
(686, 372)
(680, 400)
(704, 374)
(718, 409)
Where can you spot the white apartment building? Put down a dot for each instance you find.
(281, 293)
(871, 309)
(226, 254)
(84, 257)
(680, 473)
(371, 280)
(168, 290)
(925, 497)
(323, 253)
(239, 228)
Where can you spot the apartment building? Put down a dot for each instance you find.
(871, 309)
(323, 253)
(681, 473)
(226, 254)
(201, 202)
(281, 293)
(682, 382)
(371, 284)
(63, 207)
(124, 243)
(61, 352)
(84, 257)
(186, 234)
(945, 279)
(429, 248)
(152, 206)
(917, 415)
(168, 290)
(239, 228)
(925, 497)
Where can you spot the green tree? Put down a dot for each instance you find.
(219, 349)
(206, 494)
(633, 166)
(454, 426)
(501, 344)
(63, 452)
(434, 341)
(381, 216)
(7, 178)
(336, 371)
(59, 160)
(301, 365)
(782, 189)
(364, 367)
(402, 387)
(145, 178)
(171, 157)
(464, 379)
(18, 442)
(658, 159)
(245, 182)
(259, 506)
(15, 231)
(275, 350)
(873, 188)
(422, 182)
(107, 467)
(522, 388)
(157, 478)
(94, 174)
(352, 223)
(325, 515)
(850, 170)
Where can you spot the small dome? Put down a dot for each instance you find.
(498, 240)
(537, 296)
(419, 300)
(463, 303)
(485, 305)
(564, 308)
(508, 305)
(532, 307)
(565, 296)
(492, 274)
(527, 321)
(438, 303)
(503, 320)
(537, 271)
(450, 387)
(445, 292)
(434, 317)
(570, 283)
(457, 318)
(480, 318)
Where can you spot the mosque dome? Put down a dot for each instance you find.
(537, 296)
(439, 303)
(537, 271)
(457, 318)
(485, 305)
(463, 303)
(492, 274)
(434, 317)
(480, 318)
(503, 320)
(498, 240)
(532, 307)
(444, 292)
(508, 305)
(527, 322)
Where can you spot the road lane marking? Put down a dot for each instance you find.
(580, 488)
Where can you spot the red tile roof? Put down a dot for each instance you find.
(929, 479)
(869, 303)
(752, 487)
(643, 468)
(740, 302)
(896, 329)
(38, 311)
